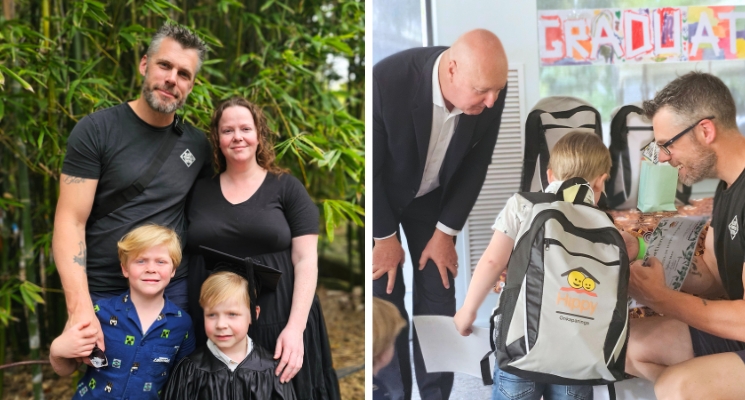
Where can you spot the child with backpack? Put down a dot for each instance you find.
(576, 155)
(144, 333)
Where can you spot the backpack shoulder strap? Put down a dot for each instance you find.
(539, 197)
(567, 190)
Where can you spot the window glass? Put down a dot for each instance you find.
(397, 25)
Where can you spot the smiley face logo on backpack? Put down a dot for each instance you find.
(573, 298)
(580, 281)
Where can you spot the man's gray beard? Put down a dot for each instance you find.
(704, 166)
(157, 105)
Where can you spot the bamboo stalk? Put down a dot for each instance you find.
(136, 72)
(4, 257)
(26, 272)
(9, 9)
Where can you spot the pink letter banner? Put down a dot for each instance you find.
(643, 35)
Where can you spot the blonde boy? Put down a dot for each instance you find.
(387, 323)
(145, 334)
(577, 154)
(230, 355)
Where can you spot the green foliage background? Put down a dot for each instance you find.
(62, 59)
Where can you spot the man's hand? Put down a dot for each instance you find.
(87, 317)
(387, 255)
(646, 283)
(441, 250)
(463, 321)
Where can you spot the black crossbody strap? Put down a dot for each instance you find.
(107, 206)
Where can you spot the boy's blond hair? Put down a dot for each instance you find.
(387, 323)
(139, 240)
(579, 154)
(222, 286)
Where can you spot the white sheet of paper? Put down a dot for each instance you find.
(445, 350)
(673, 242)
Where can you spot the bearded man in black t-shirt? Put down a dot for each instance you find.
(107, 152)
(696, 350)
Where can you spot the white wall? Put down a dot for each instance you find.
(514, 21)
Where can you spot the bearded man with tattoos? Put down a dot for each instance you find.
(126, 166)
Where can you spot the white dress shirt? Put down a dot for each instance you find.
(443, 127)
(232, 364)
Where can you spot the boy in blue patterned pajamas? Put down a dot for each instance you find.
(145, 334)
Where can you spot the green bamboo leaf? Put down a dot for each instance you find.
(128, 37)
(336, 43)
(266, 5)
(328, 216)
(212, 62)
(5, 203)
(96, 81)
(40, 140)
(91, 64)
(2, 79)
(309, 147)
(290, 10)
(71, 92)
(33, 291)
(27, 300)
(20, 80)
(2, 110)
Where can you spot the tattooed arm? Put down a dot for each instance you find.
(703, 278)
(68, 243)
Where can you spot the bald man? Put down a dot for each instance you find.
(697, 350)
(436, 116)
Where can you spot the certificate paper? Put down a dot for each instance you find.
(445, 350)
(673, 242)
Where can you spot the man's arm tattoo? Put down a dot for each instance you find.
(82, 256)
(704, 300)
(74, 179)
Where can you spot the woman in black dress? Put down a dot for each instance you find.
(253, 209)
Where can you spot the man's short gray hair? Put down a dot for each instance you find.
(183, 36)
(693, 96)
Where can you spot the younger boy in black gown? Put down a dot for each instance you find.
(230, 366)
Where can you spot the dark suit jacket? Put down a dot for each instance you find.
(402, 124)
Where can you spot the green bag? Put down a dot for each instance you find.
(657, 185)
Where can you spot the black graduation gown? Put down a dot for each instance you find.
(202, 376)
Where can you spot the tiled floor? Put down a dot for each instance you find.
(465, 387)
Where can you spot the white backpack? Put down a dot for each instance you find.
(549, 120)
(562, 317)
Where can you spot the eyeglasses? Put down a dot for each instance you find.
(669, 143)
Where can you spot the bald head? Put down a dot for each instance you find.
(473, 71)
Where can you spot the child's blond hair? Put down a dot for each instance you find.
(387, 323)
(139, 240)
(579, 155)
(222, 286)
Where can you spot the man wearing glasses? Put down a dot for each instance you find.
(696, 349)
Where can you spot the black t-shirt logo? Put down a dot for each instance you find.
(733, 227)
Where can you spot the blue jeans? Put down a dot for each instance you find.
(175, 291)
(510, 387)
